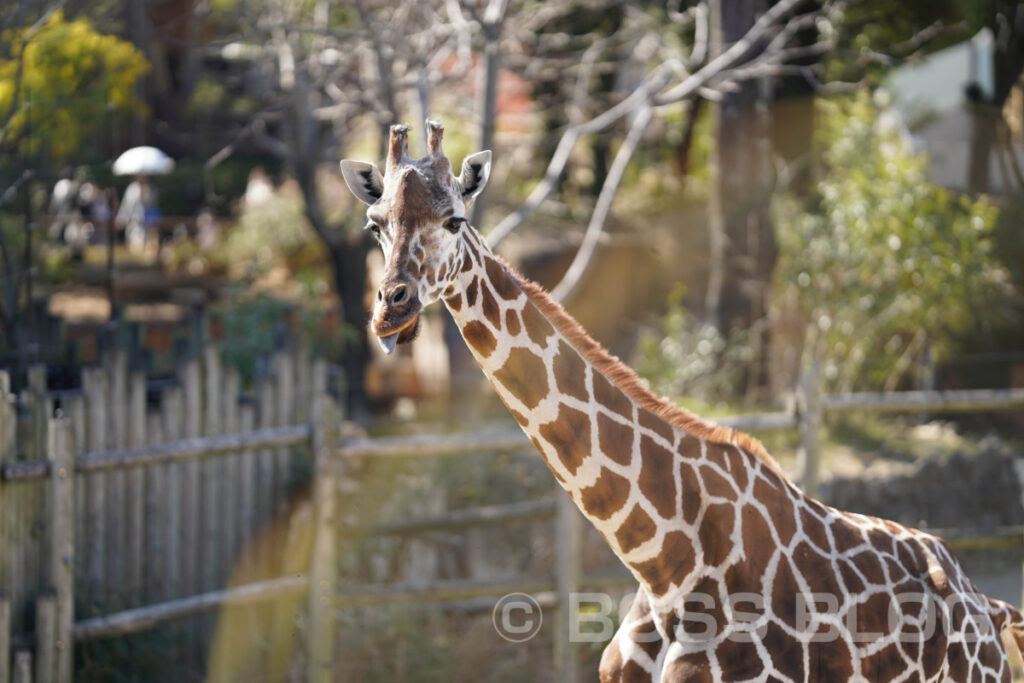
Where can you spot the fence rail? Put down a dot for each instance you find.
(965, 400)
(162, 454)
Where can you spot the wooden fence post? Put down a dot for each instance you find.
(7, 427)
(192, 404)
(809, 404)
(172, 498)
(135, 487)
(23, 666)
(322, 562)
(40, 408)
(45, 645)
(115, 524)
(211, 480)
(62, 546)
(265, 485)
(284, 397)
(96, 402)
(229, 471)
(5, 639)
(568, 542)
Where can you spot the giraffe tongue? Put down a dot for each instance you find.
(388, 343)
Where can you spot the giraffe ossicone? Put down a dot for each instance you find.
(742, 576)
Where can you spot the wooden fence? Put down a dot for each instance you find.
(119, 502)
(221, 474)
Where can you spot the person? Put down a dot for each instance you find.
(138, 213)
(207, 231)
(63, 207)
(258, 189)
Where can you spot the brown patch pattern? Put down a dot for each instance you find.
(525, 376)
(512, 323)
(657, 481)
(502, 282)
(615, 439)
(715, 533)
(607, 495)
(636, 529)
(479, 337)
(537, 326)
(609, 396)
(569, 435)
(570, 372)
(649, 420)
(490, 307)
(671, 566)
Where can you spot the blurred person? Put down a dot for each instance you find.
(95, 214)
(207, 231)
(138, 214)
(258, 189)
(63, 206)
(93, 204)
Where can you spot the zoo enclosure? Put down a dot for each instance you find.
(66, 467)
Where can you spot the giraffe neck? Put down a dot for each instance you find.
(662, 487)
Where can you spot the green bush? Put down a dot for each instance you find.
(682, 356)
(881, 267)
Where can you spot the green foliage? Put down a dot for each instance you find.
(251, 322)
(69, 75)
(881, 265)
(681, 356)
(873, 33)
(274, 234)
(184, 191)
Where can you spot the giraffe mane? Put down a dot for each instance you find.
(627, 380)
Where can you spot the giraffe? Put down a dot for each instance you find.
(741, 576)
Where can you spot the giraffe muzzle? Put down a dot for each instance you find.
(398, 323)
(405, 334)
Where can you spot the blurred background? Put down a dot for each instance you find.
(803, 216)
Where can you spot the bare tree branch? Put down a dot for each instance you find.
(650, 89)
(581, 262)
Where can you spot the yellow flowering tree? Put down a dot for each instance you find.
(57, 78)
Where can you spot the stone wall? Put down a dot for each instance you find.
(979, 491)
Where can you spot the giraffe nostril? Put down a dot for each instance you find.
(380, 295)
(398, 295)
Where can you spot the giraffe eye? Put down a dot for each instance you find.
(454, 223)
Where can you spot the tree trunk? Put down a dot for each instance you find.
(348, 267)
(983, 134)
(743, 250)
(463, 372)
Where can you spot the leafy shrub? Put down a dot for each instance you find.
(881, 267)
(682, 356)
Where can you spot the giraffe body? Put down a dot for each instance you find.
(742, 577)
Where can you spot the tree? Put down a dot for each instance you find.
(326, 69)
(880, 266)
(58, 79)
(1005, 20)
(741, 235)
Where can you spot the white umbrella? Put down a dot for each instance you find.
(143, 160)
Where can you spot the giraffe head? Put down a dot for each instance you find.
(417, 212)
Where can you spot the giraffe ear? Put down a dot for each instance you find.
(476, 169)
(364, 179)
